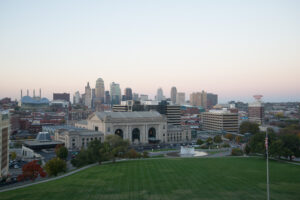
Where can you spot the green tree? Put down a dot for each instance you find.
(55, 166)
(199, 142)
(118, 146)
(276, 148)
(61, 152)
(247, 149)
(257, 143)
(93, 151)
(13, 155)
(218, 139)
(291, 144)
(249, 127)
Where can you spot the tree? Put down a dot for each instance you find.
(93, 151)
(229, 136)
(249, 127)
(199, 142)
(61, 151)
(55, 166)
(247, 149)
(218, 139)
(13, 155)
(257, 143)
(276, 148)
(31, 171)
(238, 139)
(118, 146)
(291, 144)
(90, 155)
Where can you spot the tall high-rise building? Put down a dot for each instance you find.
(159, 94)
(128, 94)
(107, 97)
(4, 140)
(135, 97)
(99, 90)
(212, 100)
(256, 111)
(195, 98)
(180, 98)
(199, 99)
(76, 98)
(173, 94)
(88, 96)
(115, 93)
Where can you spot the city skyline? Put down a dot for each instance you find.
(233, 49)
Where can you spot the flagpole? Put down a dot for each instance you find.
(268, 186)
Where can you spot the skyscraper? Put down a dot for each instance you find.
(212, 100)
(76, 98)
(99, 90)
(128, 94)
(159, 94)
(180, 98)
(199, 99)
(88, 96)
(107, 97)
(173, 94)
(115, 93)
(256, 110)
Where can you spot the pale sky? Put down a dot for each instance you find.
(233, 48)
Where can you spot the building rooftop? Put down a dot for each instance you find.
(125, 115)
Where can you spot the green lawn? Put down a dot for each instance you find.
(179, 178)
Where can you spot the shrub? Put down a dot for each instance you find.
(133, 154)
(236, 152)
(145, 154)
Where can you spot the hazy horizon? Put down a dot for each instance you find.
(235, 49)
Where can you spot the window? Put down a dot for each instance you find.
(92, 139)
(73, 140)
(96, 128)
(108, 129)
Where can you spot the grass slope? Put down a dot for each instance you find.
(181, 178)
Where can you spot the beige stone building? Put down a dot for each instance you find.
(77, 139)
(4, 140)
(220, 120)
(137, 127)
(178, 134)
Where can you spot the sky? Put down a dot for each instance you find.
(233, 48)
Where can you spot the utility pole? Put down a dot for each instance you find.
(268, 186)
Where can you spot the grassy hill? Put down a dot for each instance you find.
(180, 178)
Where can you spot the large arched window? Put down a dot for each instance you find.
(136, 135)
(119, 132)
(152, 135)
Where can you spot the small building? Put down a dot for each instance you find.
(77, 139)
(43, 141)
(178, 134)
